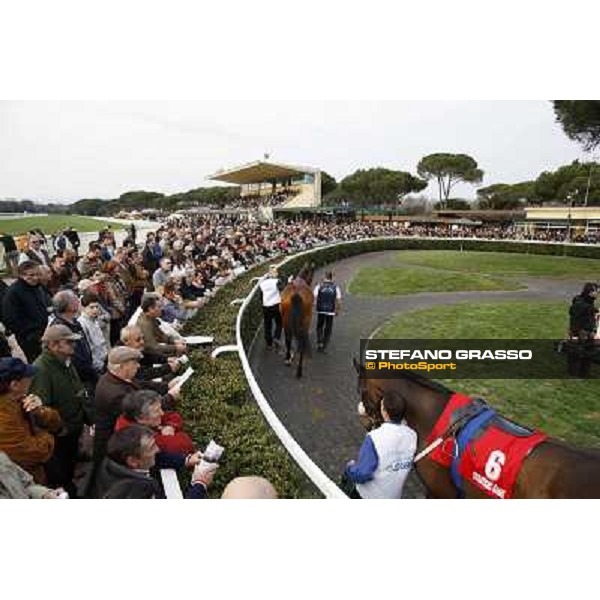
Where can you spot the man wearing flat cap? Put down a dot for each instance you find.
(58, 385)
(113, 386)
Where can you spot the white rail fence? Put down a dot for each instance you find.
(327, 487)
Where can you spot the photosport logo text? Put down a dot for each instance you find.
(463, 359)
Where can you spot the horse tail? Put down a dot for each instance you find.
(296, 316)
(296, 328)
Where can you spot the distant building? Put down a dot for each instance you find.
(264, 179)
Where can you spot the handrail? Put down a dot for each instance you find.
(171, 484)
(314, 473)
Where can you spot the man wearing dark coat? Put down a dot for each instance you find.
(25, 309)
(129, 469)
(73, 238)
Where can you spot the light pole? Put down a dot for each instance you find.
(570, 201)
(589, 181)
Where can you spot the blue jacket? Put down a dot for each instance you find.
(362, 470)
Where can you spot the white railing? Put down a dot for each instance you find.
(313, 472)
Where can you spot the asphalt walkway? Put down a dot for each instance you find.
(319, 410)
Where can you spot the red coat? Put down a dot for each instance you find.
(180, 443)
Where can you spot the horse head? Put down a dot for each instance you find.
(306, 272)
(423, 398)
(369, 407)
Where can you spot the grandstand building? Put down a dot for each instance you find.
(581, 219)
(277, 184)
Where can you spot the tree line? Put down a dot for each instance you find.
(576, 184)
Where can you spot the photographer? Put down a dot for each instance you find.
(583, 314)
(583, 324)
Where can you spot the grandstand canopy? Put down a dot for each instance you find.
(259, 171)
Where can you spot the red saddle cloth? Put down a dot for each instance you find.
(493, 459)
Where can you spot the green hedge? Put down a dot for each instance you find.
(217, 402)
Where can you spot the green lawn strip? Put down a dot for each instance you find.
(385, 281)
(217, 404)
(466, 320)
(500, 263)
(565, 408)
(54, 223)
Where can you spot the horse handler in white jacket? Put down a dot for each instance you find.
(386, 455)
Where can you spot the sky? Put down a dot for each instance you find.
(64, 151)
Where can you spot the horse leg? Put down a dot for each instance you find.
(301, 351)
(288, 347)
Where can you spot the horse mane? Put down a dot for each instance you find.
(426, 382)
(307, 272)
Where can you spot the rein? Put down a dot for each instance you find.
(450, 430)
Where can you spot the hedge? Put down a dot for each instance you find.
(217, 402)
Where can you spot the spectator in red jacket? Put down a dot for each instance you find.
(144, 408)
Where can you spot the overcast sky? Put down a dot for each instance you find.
(65, 151)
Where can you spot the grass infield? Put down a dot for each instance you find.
(502, 264)
(391, 281)
(568, 409)
(412, 272)
(54, 223)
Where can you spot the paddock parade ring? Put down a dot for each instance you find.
(315, 417)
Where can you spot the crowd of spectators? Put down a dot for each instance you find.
(251, 202)
(91, 348)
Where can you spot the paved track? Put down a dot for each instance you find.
(319, 410)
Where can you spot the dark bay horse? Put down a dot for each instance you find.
(296, 314)
(553, 469)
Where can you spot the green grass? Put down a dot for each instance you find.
(53, 223)
(568, 409)
(384, 281)
(501, 320)
(501, 263)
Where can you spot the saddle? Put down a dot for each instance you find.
(488, 449)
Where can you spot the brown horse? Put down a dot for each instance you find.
(553, 469)
(296, 314)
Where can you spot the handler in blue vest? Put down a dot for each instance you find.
(329, 302)
(270, 286)
(385, 457)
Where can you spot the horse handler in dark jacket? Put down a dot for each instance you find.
(328, 299)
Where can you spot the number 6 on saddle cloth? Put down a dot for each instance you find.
(488, 450)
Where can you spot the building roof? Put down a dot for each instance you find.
(550, 213)
(259, 171)
(482, 215)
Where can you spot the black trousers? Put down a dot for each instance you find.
(31, 345)
(270, 314)
(61, 467)
(324, 327)
(349, 488)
